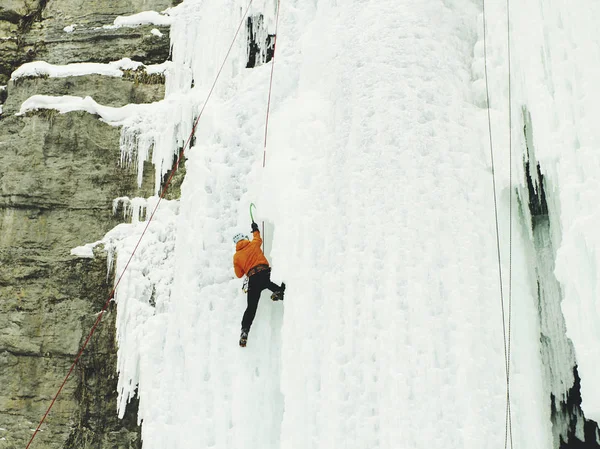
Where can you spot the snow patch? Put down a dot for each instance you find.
(159, 68)
(142, 18)
(42, 68)
(126, 64)
(67, 103)
(156, 32)
(85, 251)
(70, 28)
(114, 68)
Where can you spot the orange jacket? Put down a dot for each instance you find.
(248, 255)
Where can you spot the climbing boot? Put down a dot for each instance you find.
(243, 338)
(278, 295)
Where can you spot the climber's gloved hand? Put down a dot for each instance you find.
(254, 227)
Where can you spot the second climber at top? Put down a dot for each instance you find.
(250, 260)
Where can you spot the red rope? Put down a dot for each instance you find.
(164, 191)
(269, 102)
(270, 85)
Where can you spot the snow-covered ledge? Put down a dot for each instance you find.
(142, 18)
(114, 68)
(132, 21)
(149, 131)
(68, 103)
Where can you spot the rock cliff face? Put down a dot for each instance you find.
(58, 176)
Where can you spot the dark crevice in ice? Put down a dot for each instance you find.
(537, 196)
(261, 45)
(570, 428)
(587, 427)
(538, 207)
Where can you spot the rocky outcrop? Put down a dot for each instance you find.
(33, 30)
(58, 176)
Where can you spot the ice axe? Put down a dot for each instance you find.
(263, 224)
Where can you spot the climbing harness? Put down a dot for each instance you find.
(506, 335)
(164, 191)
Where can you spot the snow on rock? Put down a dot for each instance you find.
(67, 103)
(126, 64)
(41, 68)
(85, 251)
(142, 18)
(70, 28)
(158, 68)
(156, 32)
(114, 68)
(151, 131)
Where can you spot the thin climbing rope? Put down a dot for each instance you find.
(508, 411)
(164, 190)
(271, 84)
(505, 340)
(269, 103)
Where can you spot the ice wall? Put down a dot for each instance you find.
(555, 50)
(556, 58)
(378, 184)
(392, 260)
(379, 211)
(202, 391)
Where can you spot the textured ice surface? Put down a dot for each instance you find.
(377, 183)
(377, 201)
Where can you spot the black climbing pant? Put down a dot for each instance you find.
(256, 284)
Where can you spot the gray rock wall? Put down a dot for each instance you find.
(58, 176)
(32, 30)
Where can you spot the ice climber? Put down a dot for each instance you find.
(250, 260)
